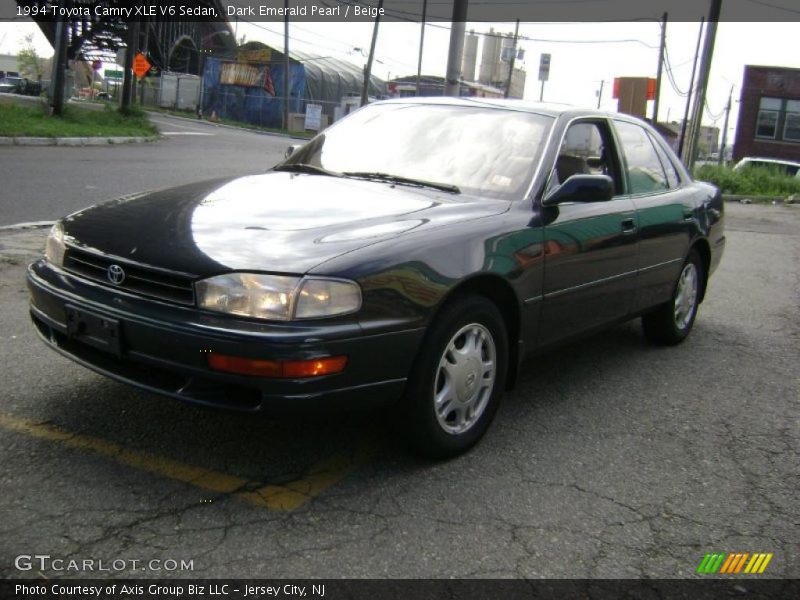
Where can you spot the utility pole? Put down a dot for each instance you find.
(146, 52)
(59, 66)
(421, 42)
(286, 64)
(511, 62)
(368, 67)
(127, 82)
(600, 93)
(452, 86)
(682, 138)
(702, 82)
(661, 52)
(721, 157)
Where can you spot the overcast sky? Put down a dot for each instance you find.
(583, 54)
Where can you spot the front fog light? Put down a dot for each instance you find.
(54, 247)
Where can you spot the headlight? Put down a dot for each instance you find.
(278, 297)
(54, 248)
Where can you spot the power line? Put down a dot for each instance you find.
(671, 76)
(797, 12)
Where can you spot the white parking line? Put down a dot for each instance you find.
(28, 225)
(185, 133)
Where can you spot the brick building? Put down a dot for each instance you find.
(769, 114)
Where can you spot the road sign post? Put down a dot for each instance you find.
(141, 65)
(544, 72)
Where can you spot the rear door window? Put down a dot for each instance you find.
(644, 170)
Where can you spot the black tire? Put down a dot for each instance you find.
(672, 322)
(479, 326)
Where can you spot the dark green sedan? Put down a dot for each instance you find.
(411, 256)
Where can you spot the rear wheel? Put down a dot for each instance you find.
(672, 322)
(455, 386)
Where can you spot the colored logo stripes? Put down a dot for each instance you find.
(734, 563)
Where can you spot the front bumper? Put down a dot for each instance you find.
(163, 348)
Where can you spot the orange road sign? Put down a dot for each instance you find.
(141, 65)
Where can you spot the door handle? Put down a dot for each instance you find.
(628, 226)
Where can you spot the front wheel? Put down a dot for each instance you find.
(455, 386)
(672, 322)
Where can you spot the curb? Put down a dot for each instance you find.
(74, 141)
(754, 199)
(225, 125)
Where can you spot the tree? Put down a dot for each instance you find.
(30, 63)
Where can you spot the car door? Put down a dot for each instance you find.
(590, 247)
(665, 210)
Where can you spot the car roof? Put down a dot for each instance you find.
(540, 108)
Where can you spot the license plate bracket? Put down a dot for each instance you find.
(95, 330)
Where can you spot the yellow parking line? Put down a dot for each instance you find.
(294, 494)
(286, 497)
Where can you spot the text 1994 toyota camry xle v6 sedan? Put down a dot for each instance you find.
(413, 253)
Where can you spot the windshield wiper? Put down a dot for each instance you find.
(306, 168)
(445, 187)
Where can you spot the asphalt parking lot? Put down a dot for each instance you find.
(612, 458)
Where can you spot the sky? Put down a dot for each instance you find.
(583, 54)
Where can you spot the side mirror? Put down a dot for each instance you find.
(292, 149)
(582, 188)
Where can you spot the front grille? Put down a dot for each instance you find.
(147, 281)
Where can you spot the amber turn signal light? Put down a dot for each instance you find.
(279, 369)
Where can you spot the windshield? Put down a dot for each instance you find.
(477, 150)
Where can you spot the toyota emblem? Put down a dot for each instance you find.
(115, 274)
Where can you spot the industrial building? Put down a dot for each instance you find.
(492, 76)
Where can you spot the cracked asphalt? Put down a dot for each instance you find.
(611, 459)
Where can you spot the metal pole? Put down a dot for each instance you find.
(541, 92)
(682, 138)
(721, 157)
(421, 42)
(702, 83)
(511, 62)
(661, 51)
(452, 86)
(600, 93)
(286, 64)
(368, 67)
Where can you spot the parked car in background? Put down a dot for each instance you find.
(19, 85)
(783, 167)
(412, 255)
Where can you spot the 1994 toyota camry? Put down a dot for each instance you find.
(413, 253)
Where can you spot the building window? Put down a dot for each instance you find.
(768, 112)
(791, 128)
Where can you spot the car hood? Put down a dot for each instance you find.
(276, 222)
